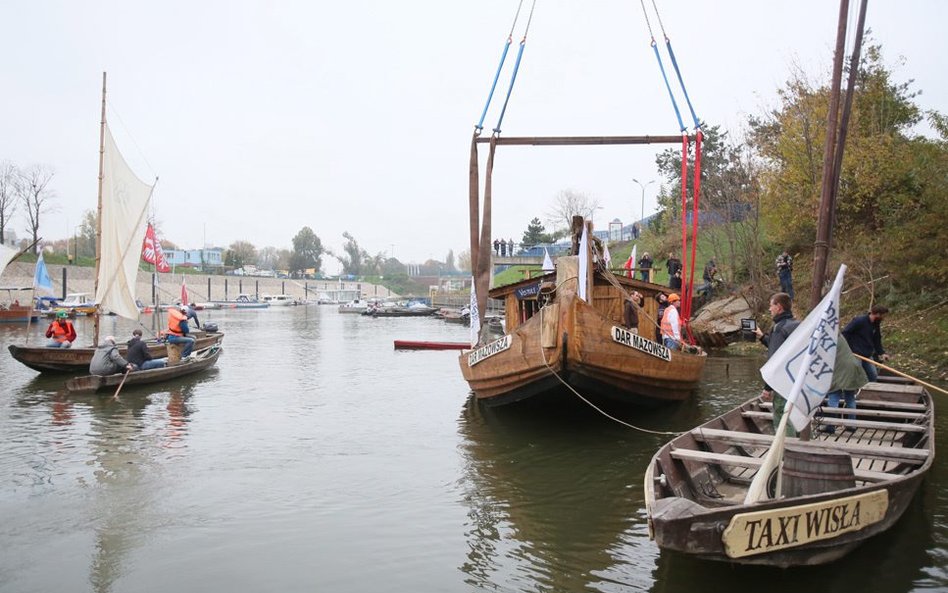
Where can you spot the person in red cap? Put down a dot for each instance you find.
(671, 323)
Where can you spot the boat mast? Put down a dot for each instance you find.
(98, 218)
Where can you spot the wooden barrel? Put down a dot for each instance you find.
(815, 470)
(174, 352)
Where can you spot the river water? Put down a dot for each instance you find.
(316, 457)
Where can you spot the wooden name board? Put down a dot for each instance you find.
(749, 534)
(488, 350)
(627, 338)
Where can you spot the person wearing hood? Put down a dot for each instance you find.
(106, 359)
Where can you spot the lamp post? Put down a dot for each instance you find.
(643, 196)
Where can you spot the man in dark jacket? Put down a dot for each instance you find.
(106, 359)
(864, 336)
(139, 355)
(784, 324)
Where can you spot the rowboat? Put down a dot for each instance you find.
(199, 360)
(838, 489)
(557, 342)
(77, 359)
(427, 345)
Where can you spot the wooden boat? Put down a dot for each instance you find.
(199, 360)
(427, 345)
(558, 342)
(411, 311)
(13, 311)
(76, 360)
(839, 489)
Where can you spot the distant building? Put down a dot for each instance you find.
(212, 257)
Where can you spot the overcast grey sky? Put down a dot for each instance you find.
(262, 117)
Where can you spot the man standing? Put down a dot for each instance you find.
(61, 332)
(784, 324)
(784, 271)
(178, 329)
(671, 323)
(645, 266)
(673, 265)
(864, 336)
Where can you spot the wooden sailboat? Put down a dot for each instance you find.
(559, 342)
(122, 206)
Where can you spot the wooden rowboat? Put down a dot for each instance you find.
(426, 345)
(199, 360)
(557, 342)
(839, 489)
(77, 359)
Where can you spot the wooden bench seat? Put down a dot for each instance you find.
(755, 462)
(901, 426)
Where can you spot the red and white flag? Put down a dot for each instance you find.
(630, 263)
(151, 251)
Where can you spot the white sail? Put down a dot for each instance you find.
(6, 256)
(125, 200)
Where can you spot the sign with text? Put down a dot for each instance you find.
(528, 292)
(488, 350)
(627, 338)
(749, 534)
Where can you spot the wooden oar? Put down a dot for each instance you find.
(115, 397)
(900, 373)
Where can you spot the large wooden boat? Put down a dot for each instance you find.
(556, 342)
(17, 314)
(76, 360)
(200, 360)
(839, 489)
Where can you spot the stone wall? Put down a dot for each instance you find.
(82, 279)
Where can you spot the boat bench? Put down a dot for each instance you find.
(899, 426)
(755, 462)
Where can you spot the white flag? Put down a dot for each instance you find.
(605, 255)
(547, 262)
(813, 341)
(475, 317)
(583, 263)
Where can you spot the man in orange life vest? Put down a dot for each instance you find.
(178, 329)
(60, 332)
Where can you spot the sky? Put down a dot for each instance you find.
(262, 117)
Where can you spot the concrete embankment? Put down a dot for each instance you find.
(200, 287)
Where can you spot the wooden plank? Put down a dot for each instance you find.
(744, 461)
(731, 437)
(903, 426)
(894, 388)
(579, 140)
(858, 411)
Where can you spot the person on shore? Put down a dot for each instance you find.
(139, 355)
(503, 248)
(496, 247)
(106, 359)
(710, 271)
(61, 332)
(864, 334)
(631, 311)
(675, 282)
(510, 247)
(671, 323)
(785, 272)
(178, 329)
(784, 324)
(645, 265)
(672, 265)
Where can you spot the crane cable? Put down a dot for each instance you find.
(503, 58)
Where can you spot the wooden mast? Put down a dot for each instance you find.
(98, 218)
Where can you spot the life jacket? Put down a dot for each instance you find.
(175, 318)
(60, 331)
(667, 329)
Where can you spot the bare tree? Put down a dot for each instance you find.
(32, 187)
(8, 174)
(569, 203)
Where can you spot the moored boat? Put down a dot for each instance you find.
(840, 488)
(198, 361)
(278, 300)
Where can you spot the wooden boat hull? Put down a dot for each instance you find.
(17, 314)
(570, 345)
(694, 486)
(76, 360)
(200, 360)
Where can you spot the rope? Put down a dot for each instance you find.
(592, 405)
(671, 54)
(661, 67)
(503, 58)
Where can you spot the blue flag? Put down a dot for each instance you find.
(41, 281)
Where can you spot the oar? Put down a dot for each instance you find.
(115, 397)
(900, 373)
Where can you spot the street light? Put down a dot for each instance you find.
(643, 196)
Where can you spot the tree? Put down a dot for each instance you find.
(32, 186)
(8, 176)
(307, 252)
(240, 253)
(464, 261)
(535, 234)
(449, 262)
(569, 203)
